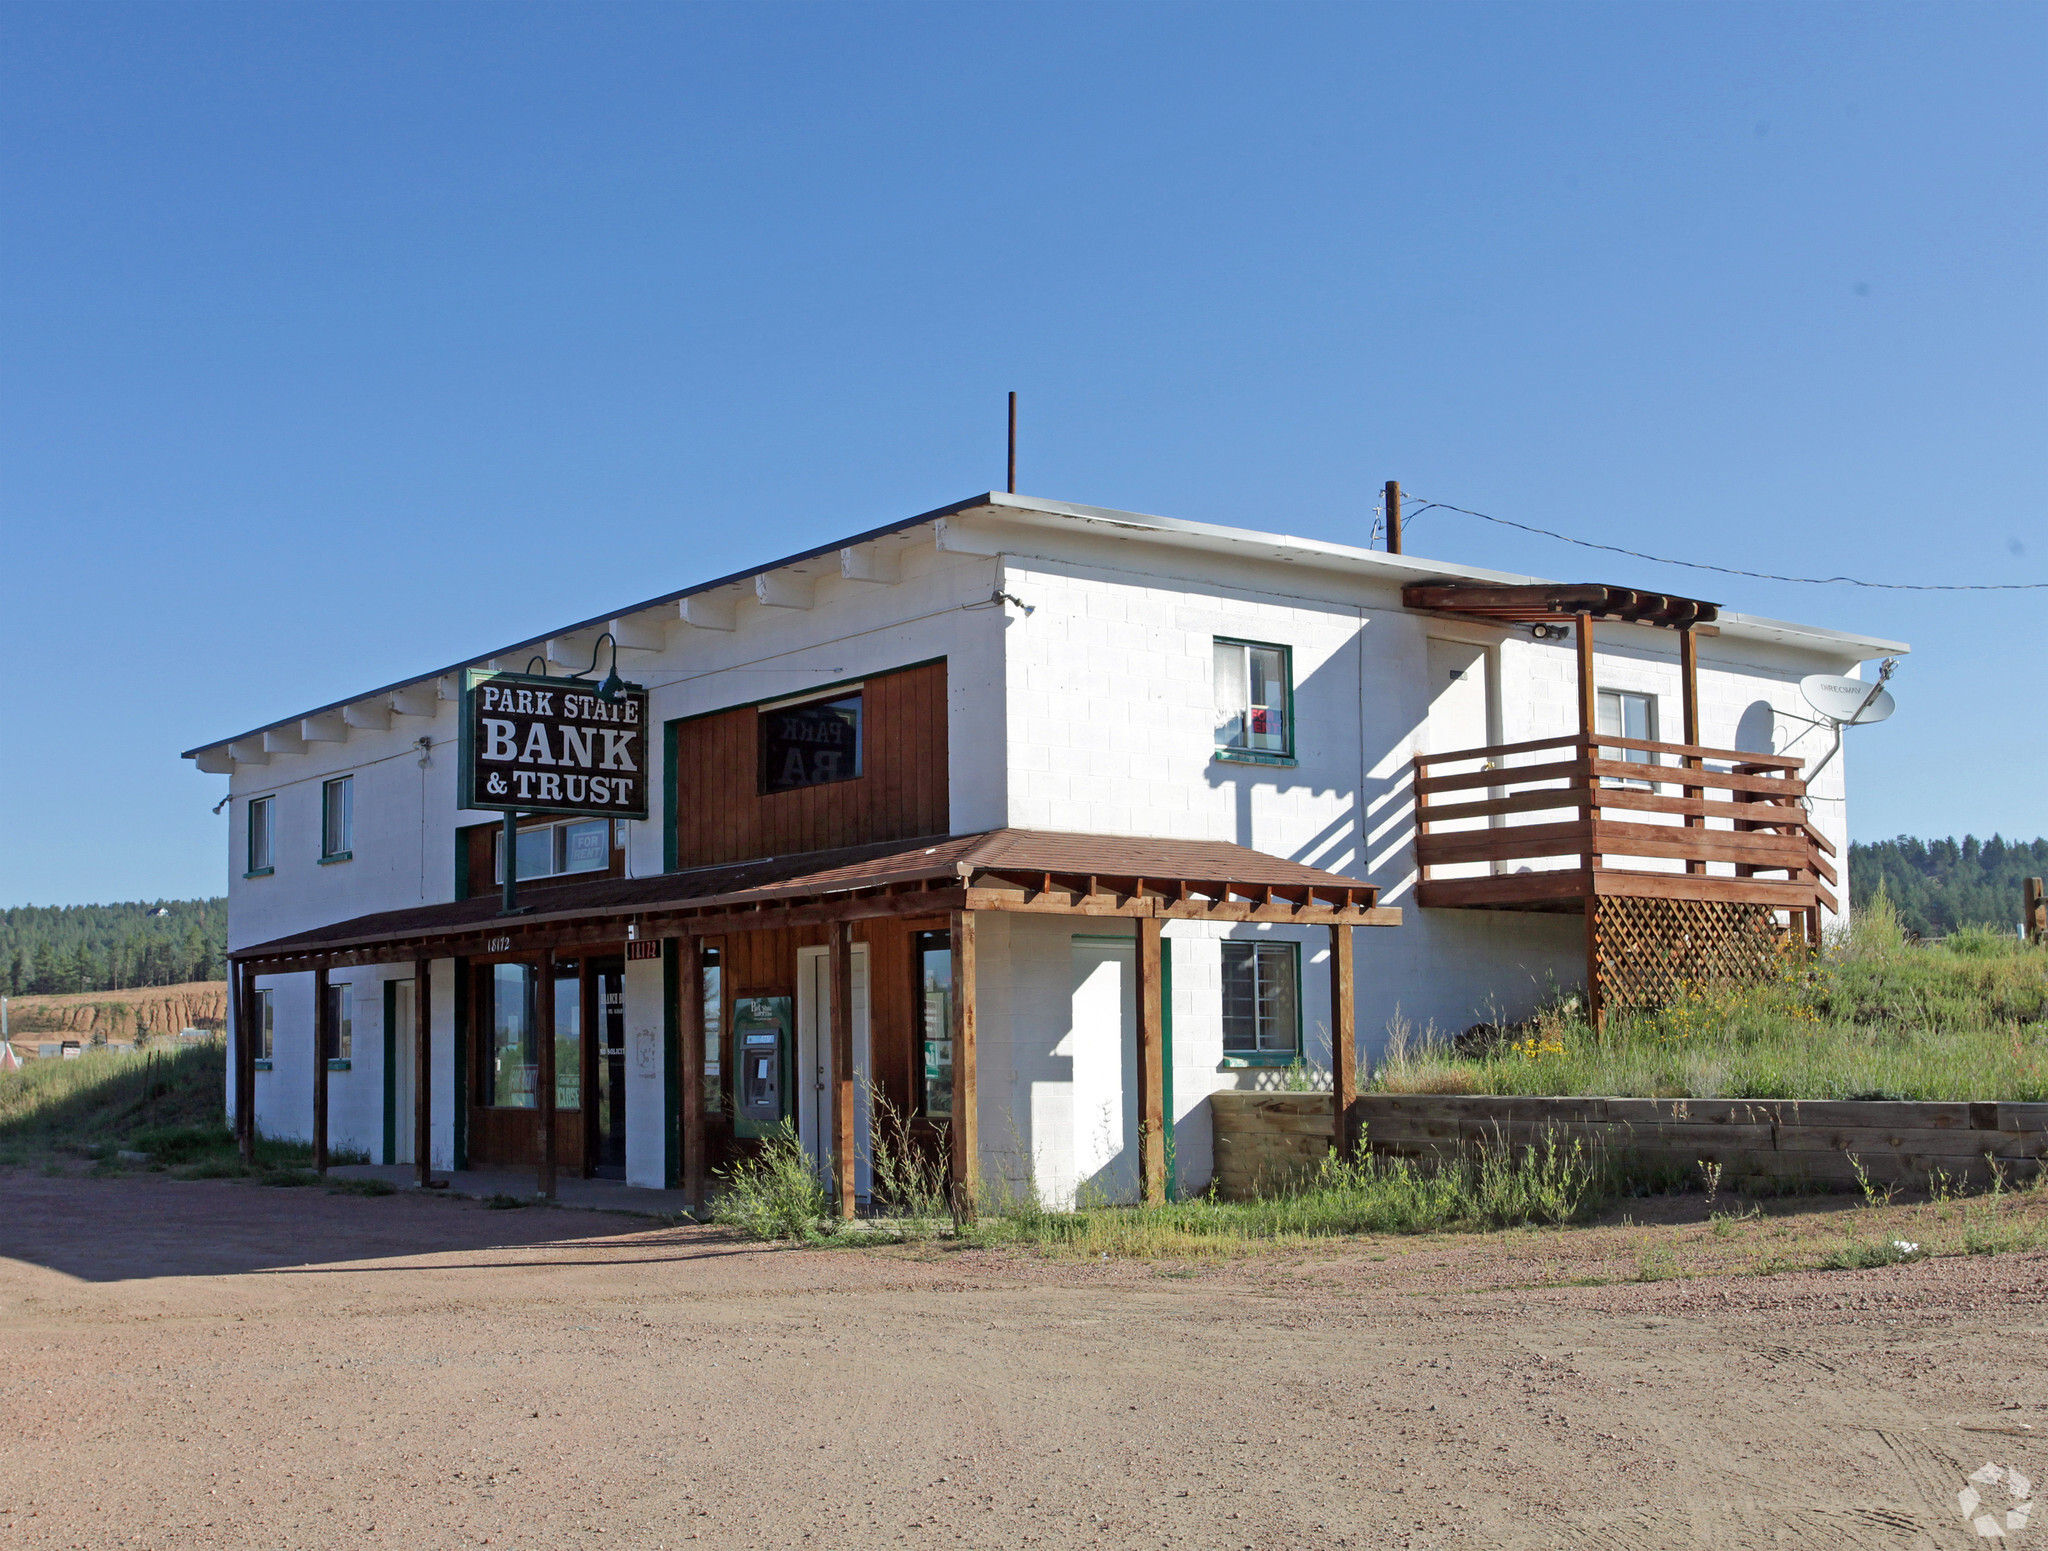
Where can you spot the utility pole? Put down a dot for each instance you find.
(1393, 516)
(1013, 443)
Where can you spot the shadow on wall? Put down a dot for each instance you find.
(1325, 702)
(1756, 733)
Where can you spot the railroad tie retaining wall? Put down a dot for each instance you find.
(1263, 1138)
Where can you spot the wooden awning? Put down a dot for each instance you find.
(1547, 602)
(1034, 871)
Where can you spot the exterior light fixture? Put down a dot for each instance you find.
(613, 689)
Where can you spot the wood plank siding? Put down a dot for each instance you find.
(765, 964)
(722, 815)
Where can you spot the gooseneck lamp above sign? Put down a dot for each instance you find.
(533, 744)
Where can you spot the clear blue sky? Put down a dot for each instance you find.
(309, 312)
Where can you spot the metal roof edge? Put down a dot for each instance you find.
(1406, 567)
(1216, 536)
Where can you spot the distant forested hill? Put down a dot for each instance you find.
(1940, 885)
(51, 949)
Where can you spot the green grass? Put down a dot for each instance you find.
(167, 1104)
(777, 1196)
(1874, 1017)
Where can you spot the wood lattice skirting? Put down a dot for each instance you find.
(1646, 952)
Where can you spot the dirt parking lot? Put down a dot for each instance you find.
(220, 1365)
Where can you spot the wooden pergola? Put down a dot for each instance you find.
(1594, 799)
(1102, 877)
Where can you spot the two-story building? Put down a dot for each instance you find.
(1037, 823)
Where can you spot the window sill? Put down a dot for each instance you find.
(1253, 757)
(337, 1063)
(260, 872)
(262, 1063)
(1266, 1058)
(338, 856)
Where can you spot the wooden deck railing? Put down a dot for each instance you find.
(1577, 807)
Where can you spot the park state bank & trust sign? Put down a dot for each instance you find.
(539, 745)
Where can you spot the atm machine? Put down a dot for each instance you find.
(762, 1029)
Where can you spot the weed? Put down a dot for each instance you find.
(1710, 1176)
(1548, 1184)
(776, 1194)
(287, 1178)
(907, 1182)
(361, 1187)
(1859, 1255)
(1871, 1015)
(505, 1203)
(1656, 1263)
(1874, 1195)
(1725, 1223)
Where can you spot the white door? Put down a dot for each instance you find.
(813, 1068)
(1102, 1042)
(1459, 703)
(403, 1121)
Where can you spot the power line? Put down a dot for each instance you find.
(1694, 565)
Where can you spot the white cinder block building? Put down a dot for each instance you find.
(1034, 823)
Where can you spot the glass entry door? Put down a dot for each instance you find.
(609, 1030)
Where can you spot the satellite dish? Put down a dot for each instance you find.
(1851, 702)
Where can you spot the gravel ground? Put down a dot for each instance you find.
(221, 1365)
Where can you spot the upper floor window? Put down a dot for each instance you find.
(1623, 713)
(337, 819)
(1262, 999)
(262, 837)
(810, 743)
(1254, 701)
(550, 850)
(264, 1025)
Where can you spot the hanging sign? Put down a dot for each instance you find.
(533, 744)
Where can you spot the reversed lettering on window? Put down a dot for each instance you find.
(810, 745)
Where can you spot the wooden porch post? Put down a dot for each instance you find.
(323, 1029)
(544, 1078)
(422, 1071)
(1689, 693)
(1343, 1043)
(690, 1027)
(965, 1128)
(839, 968)
(1589, 721)
(1151, 1063)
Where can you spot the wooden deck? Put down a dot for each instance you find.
(1555, 822)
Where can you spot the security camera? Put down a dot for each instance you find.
(1551, 632)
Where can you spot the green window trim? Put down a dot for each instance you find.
(338, 856)
(1268, 1058)
(1283, 757)
(339, 1064)
(1255, 757)
(262, 1063)
(261, 872)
